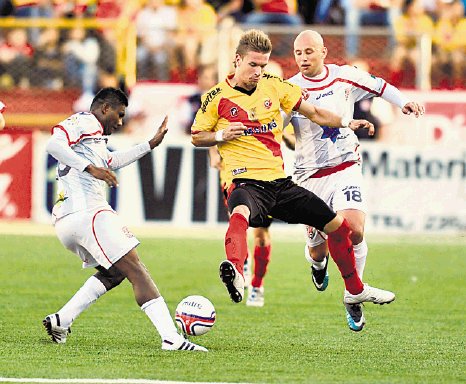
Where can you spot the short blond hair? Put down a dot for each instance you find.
(253, 40)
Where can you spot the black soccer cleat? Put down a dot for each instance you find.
(233, 280)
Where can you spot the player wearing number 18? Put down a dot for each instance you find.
(327, 160)
(241, 115)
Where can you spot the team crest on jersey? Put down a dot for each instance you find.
(311, 232)
(267, 103)
(252, 114)
(127, 232)
(234, 112)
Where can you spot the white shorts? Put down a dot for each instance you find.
(340, 190)
(97, 236)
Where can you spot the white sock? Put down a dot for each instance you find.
(158, 313)
(87, 294)
(360, 255)
(318, 265)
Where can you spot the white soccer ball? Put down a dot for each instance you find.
(195, 315)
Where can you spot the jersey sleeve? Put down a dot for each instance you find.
(207, 116)
(365, 85)
(2, 107)
(290, 95)
(78, 126)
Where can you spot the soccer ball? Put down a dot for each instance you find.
(195, 315)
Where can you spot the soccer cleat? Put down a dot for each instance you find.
(53, 328)
(369, 295)
(247, 273)
(233, 280)
(355, 317)
(256, 297)
(320, 276)
(182, 345)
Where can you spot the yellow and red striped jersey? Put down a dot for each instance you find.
(256, 154)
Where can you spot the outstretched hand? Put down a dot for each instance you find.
(357, 124)
(160, 134)
(103, 174)
(413, 107)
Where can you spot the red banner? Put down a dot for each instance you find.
(15, 175)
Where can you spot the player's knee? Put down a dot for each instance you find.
(110, 278)
(357, 233)
(357, 237)
(242, 210)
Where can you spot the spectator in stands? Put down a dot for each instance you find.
(81, 53)
(366, 12)
(408, 27)
(48, 60)
(2, 119)
(236, 9)
(155, 24)
(37, 8)
(16, 55)
(450, 43)
(196, 37)
(206, 79)
(6, 8)
(274, 12)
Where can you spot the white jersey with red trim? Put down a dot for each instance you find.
(2, 107)
(79, 190)
(336, 89)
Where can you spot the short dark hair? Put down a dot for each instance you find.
(113, 96)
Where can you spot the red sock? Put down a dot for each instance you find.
(236, 245)
(261, 260)
(341, 250)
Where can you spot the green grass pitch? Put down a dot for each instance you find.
(300, 336)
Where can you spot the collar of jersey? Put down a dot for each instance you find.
(316, 78)
(239, 89)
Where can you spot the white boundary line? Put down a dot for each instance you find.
(97, 381)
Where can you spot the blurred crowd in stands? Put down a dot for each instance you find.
(178, 37)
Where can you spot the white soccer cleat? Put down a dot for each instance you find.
(53, 328)
(233, 280)
(182, 345)
(256, 297)
(247, 273)
(369, 295)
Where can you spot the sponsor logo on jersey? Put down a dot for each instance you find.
(238, 171)
(264, 128)
(324, 94)
(267, 103)
(209, 97)
(234, 112)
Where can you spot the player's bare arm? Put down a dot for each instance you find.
(2, 121)
(207, 139)
(160, 134)
(325, 117)
(413, 107)
(103, 174)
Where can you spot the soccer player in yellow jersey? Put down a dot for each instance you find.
(241, 115)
